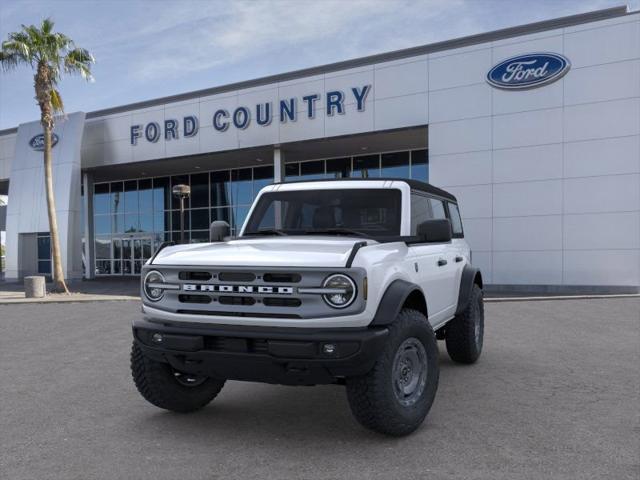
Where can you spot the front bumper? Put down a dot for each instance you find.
(289, 356)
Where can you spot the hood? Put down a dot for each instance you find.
(289, 251)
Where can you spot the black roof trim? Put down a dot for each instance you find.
(413, 184)
(509, 32)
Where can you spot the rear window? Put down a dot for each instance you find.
(456, 222)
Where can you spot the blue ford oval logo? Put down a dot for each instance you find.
(37, 142)
(528, 71)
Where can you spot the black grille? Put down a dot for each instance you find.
(194, 298)
(282, 302)
(281, 277)
(198, 276)
(237, 276)
(237, 345)
(226, 300)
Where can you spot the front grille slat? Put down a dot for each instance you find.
(195, 276)
(238, 314)
(282, 302)
(237, 277)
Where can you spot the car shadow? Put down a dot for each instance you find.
(258, 410)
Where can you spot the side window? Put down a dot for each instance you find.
(456, 222)
(420, 211)
(437, 209)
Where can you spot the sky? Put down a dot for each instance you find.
(150, 49)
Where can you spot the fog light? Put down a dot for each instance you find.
(329, 348)
(157, 338)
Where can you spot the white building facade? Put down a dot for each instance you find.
(535, 129)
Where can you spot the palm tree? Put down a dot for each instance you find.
(50, 55)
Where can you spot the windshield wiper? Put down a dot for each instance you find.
(267, 231)
(337, 231)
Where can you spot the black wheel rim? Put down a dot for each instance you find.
(188, 379)
(409, 374)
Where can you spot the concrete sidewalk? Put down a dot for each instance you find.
(104, 289)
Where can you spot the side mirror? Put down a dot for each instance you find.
(436, 231)
(218, 231)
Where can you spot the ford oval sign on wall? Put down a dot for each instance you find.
(37, 142)
(528, 71)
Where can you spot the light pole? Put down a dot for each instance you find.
(182, 192)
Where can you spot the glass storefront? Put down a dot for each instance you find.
(412, 164)
(133, 217)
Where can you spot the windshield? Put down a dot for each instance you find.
(359, 212)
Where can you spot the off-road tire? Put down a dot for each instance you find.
(372, 398)
(464, 342)
(157, 383)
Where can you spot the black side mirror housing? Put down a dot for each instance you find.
(219, 230)
(435, 231)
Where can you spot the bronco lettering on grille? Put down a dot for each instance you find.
(193, 287)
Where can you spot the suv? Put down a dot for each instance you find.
(334, 281)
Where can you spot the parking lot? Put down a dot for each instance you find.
(556, 394)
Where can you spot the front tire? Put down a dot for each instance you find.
(396, 395)
(464, 335)
(166, 388)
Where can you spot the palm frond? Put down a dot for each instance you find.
(79, 61)
(56, 101)
(9, 61)
(47, 26)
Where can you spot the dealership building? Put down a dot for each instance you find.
(535, 129)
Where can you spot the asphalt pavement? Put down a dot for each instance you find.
(556, 394)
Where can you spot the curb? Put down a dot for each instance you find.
(558, 297)
(113, 298)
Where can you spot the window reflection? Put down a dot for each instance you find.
(339, 168)
(161, 194)
(312, 170)
(220, 188)
(241, 188)
(131, 196)
(395, 165)
(367, 166)
(420, 165)
(101, 198)
(200, 190)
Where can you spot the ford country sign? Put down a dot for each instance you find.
(528, 71)
(37, 142)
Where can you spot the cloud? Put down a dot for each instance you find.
(192, 37)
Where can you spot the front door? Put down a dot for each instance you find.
(130, 253)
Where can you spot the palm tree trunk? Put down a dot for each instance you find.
(59, 284)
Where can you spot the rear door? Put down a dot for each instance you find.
(460, 247)
(434, 262)
(447, 261)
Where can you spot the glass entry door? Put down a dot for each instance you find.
(130, 253)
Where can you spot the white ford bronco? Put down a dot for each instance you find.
(347, 282)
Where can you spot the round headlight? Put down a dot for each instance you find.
(345, 291)
(153, 293)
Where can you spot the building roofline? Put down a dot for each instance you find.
(494, 35)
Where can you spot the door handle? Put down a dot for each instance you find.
(459, 259)
(442, 262)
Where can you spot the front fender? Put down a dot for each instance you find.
(392, 301)
(470, 275)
